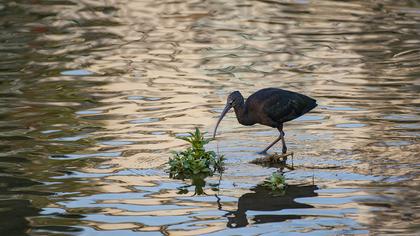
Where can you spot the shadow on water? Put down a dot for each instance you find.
(262, 200)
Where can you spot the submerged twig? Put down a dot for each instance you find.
(274, 159)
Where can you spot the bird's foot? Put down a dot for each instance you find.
(280, 158)
(284, 150)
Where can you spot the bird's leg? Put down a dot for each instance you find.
(269, 146)
(284, 149)
(281, 136)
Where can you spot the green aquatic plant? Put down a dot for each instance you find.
(276, 183)
(195, 160)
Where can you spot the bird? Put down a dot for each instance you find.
(269, 106)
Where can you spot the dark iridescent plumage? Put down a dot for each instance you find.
(269, 106)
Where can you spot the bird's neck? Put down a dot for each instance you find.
(242, 115)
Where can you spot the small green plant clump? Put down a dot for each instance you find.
(276, 183)
(195, 160)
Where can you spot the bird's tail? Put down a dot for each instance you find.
(311, 104)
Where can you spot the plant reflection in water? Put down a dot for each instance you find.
(199, 184)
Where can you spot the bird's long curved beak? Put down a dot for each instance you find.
(227, 108)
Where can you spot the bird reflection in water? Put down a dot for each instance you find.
(261, 199)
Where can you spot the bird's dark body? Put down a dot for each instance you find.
(269, 106)
(273, 107)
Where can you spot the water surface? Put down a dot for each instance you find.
(93, 94)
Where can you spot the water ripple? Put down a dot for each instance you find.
(94, 94)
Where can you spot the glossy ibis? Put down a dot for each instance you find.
(269, 106)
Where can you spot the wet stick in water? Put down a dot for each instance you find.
(274, 160)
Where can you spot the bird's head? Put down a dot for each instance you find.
(234, 99)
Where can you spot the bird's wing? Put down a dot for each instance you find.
(282, 108)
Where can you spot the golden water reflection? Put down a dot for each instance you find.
(93, 94)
